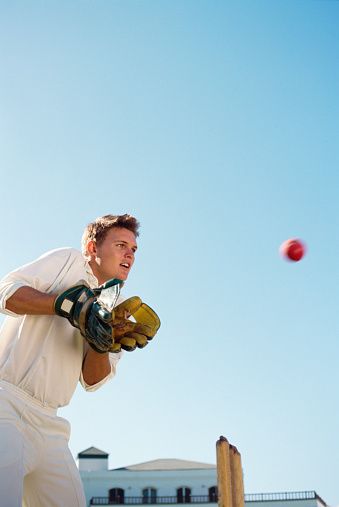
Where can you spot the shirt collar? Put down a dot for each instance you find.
(91, 278)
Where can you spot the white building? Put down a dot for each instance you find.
(168, 481)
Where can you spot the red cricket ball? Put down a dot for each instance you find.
(293, 249)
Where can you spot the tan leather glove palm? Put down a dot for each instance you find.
(129, 335)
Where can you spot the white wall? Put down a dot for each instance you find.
(92, 464)
(165, 482)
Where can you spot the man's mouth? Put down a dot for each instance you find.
(125, 265)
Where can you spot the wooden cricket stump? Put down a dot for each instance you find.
(229, 475)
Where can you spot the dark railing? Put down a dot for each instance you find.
(256, 497)
(276, 497)
(291, 495)
(139, 500)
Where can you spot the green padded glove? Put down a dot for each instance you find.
(79, 304)
(129, 334)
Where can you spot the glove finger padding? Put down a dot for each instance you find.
(128, 343)
(147, 317)
(127, 308)
(140, 339)
(115, 348)
(147, 321)
(120, 327)
(131, 334)
(120, 322)
(124, 328)
(131, 341)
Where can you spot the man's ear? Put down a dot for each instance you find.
(91, 247)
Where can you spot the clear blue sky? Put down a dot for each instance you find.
(216, 124)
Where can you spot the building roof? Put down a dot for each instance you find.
(168, 464)
(92, 452)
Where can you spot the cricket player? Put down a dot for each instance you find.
(59, 330)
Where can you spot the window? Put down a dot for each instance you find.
(213, 494)
(116, 496)
(149, 495)
(184, 495)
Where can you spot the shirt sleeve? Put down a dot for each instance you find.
(39, 274)
(113, 359)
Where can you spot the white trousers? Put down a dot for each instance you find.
(36, 466)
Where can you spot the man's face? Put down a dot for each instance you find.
(114, 256)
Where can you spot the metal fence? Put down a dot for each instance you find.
(161, 500)
(276, 497)
(158, 500)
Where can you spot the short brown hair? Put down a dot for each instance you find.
(97, 230)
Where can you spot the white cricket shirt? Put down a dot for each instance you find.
(43, 354)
